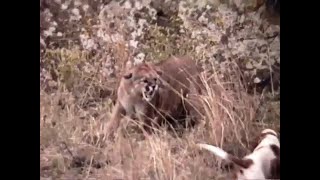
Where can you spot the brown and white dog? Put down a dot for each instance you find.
(262, 163)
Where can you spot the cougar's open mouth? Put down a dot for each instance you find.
(148, 92)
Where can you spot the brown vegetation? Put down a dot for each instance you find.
(78, 85)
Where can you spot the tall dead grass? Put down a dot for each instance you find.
(71, 145)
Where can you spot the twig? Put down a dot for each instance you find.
(67, 148)
(270, 70)
(88, 172)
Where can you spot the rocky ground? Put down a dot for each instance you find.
(84, 46)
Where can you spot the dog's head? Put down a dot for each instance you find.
(245, 168)
(268, 136)
(268, 132)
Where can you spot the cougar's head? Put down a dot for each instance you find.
(144, 79)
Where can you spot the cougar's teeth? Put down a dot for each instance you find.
(145, 96)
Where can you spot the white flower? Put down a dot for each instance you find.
(256, 80)
(133, 43)
(75, 11)
(64, 6)
(85, 7)
(77, 3)
(139, 58)
(127, 5)
(49, 32)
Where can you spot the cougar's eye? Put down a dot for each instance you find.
(127, 76)
(145, 81)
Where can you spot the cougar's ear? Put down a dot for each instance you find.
(127, 76)
(158, 71)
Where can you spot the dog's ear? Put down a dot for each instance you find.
(275, 149)
(275, 168)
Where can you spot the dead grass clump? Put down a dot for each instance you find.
(82, 56)
(71, 145)
(229, 110)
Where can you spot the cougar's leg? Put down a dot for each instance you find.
(113, 124)
(148, 119)
(194, 107)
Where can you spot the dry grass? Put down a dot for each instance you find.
(78, 92)
(71, 145)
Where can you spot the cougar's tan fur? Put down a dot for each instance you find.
(152, 92)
